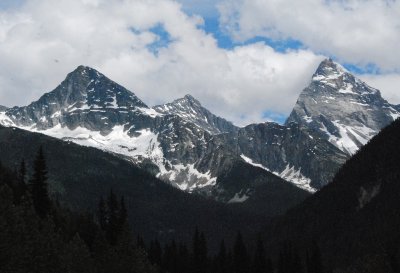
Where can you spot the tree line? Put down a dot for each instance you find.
(176, 257)
(39, 235)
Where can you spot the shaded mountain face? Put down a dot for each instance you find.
(346, 111)
(355, 218)
(3, 108)
(296, 154)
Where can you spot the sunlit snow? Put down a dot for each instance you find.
(289, 174)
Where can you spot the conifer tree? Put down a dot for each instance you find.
(221, 260)
(22, 171)
(240, 256)
(38, 185)
(140, 242)
(259, 261)
(199, 252)
(19, 185)
(123, 214)
(314, 261)
(170, 262)
(112, 229)
(183, 258)
(195, 251)
(289, 260)
(102, 214)
(155, 253)
(203, 253)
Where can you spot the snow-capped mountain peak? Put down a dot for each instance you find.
(336, 78)
(329, 69)
(97, 91)
(79, 100)
(191, 110)
(344, 109)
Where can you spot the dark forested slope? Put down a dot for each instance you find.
(355, 219)
(79, 175)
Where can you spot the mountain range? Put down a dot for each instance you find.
(187, 146)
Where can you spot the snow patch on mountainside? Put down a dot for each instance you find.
(5, 120)
(144, 145)
(251, 162)
(350, 136)
(289, 174)
(239, 197)
(366, 195)
(150, 112)
(187, 177)
(394, 114)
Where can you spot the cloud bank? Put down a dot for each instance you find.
(159, 50)
(355, 31)
(39, 48)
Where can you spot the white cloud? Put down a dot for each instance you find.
(355, 31)
(44, 40)
(388, 84)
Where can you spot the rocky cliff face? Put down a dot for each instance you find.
(294, 153)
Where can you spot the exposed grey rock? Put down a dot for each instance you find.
(343, 109)
(190, 110)
(3, 108)
(86, 99)
(292, 152)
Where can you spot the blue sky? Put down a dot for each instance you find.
(7, 4)
(246, 61)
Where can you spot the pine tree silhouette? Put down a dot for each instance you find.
(259, 261)
(240, 256)
(38, 185)
(314, 261)
(222, 260)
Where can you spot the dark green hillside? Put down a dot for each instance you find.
(78, 176)
(355, 219)
(56, 239)
(270, 194)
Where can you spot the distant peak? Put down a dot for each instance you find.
(83, 68)
(189, 97)
(328, 69)
(328, 66)
(188, 100)
(86, 70)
